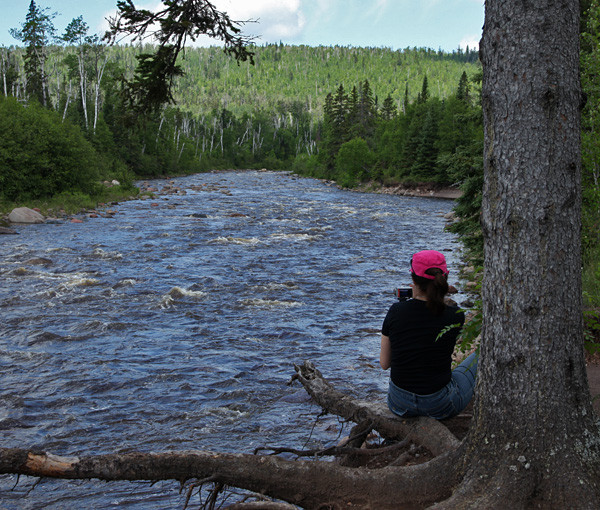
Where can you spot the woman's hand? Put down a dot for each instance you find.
(385, 354)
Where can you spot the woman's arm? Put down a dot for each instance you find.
(385, 355)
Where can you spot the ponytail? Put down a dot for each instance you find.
(435, 289)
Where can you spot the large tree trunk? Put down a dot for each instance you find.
(533, 439)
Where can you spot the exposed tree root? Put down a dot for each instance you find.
(425, 431)
(305, 483)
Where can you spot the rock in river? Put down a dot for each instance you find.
(25, 215)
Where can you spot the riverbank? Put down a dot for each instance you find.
(70, 206)
(423, 190)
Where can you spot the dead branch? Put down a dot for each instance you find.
(425, 431)
(309, 484)
(350, 445)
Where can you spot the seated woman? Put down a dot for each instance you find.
(417, 340)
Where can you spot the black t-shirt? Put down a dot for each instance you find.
(421, 362)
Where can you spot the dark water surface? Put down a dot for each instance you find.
(176, 326)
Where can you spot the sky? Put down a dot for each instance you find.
(396, 24)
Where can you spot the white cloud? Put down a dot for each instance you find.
(472, 41)
(379, 10)
(274, 19)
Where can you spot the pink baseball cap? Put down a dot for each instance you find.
(426, 259)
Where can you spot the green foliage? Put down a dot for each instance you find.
(590, 63)
(429, 141)
(271, 119)
(590, 144)
(470, 334)
(354, 162)
(466, 166)
(591, 322)
(41, 156)
(462, 128)
(307, 165)
(307, 74)
(591, 282)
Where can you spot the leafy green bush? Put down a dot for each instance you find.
(42, 156)
(307, 165)
(354, 162)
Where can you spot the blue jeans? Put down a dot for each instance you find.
(445, 403)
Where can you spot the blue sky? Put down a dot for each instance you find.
(445, 24)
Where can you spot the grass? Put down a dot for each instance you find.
(68, 203)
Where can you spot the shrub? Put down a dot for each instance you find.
(354, 162)
(40, 155)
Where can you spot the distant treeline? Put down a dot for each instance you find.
(227, 115)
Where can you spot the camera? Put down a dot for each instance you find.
(404, 294)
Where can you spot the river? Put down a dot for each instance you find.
(175, 325)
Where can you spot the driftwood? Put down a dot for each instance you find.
(310, 484)
(425, 431)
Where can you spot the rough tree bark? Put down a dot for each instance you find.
(534, 440)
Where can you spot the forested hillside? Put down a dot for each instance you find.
(283, 75)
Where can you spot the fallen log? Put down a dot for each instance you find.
(427, 432)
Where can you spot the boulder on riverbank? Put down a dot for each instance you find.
(25, 215)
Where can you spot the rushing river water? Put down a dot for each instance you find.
(176, 324)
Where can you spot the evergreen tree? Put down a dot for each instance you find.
(424, 94)
(424, 164)
(415, 117)
(36, 33)
(367, 112)
(353, 111)
(339, 131)
(388, 109)
(462, 93)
